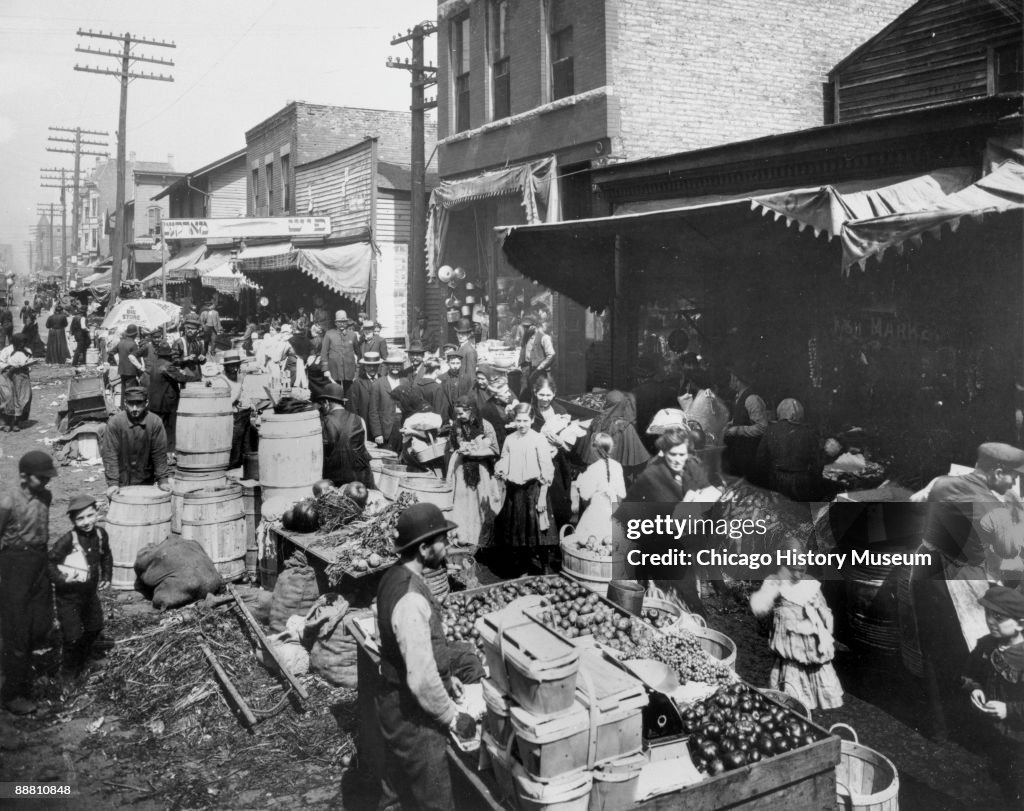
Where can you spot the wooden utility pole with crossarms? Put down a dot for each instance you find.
(77, 151)
(124, 73)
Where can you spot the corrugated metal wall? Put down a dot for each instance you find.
(939, 54)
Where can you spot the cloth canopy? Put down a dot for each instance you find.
(536, 182)
(180, 269)
(827, 208)
(345, 269)
(272, 256)
(216, 272)
(1000, 191)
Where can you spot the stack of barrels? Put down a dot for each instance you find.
(206, 507)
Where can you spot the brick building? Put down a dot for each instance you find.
(595, 83)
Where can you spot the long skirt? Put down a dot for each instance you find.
(57, 347)
(15, 393)
(518, 523)
(472, 509)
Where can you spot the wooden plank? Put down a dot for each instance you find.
(226, 682)
(483, 789)
(262, 638)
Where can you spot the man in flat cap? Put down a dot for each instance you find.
(129, 359)
(187, 353)
(134, 447)
(338, 352)
(969, 518)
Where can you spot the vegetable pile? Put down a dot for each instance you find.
(328, 510)
(682, 652)
(366, 544)
(738, 726)
(598, 402)
(592, 544)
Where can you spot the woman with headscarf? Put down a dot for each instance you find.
(15, 385)
(789, 457)
(619, 421)
(549, 419)
(420, 426)
(471, 452)
(56, 341)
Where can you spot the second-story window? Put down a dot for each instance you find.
(255, 191)
(270, 190)
(562, 81)
(501, 89)
(286, 189)
(1007, 70)
(460, 70)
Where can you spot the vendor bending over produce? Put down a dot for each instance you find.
(422, 673)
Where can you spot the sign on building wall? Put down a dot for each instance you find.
(393, 289)
(247, 227)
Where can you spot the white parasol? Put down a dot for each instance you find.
(146, 313)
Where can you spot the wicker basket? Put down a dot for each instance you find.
(865, 779)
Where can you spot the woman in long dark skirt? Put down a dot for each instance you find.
(15, 385)
(526, 469)
(549, 419)
(56, 341)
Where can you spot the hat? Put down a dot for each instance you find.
(341, 315)
(163, 351)
(420, 522)
(452, 352)
(193, 319)
(136, 393)
(332, 391)
(450, 348)
(80, 502)
(231, 357)
(286, 329)
(370, 359)
(367, 325)
(417, 348)
(999, 454)
(37, 463)
(132, 330)
(464, 325)
(999, 598)
(394, 358)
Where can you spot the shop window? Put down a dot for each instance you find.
(562, 79)
(286, 189)
(270, 189)
(501, 94)
(460, 70)
(1007, 69)
(154, 220)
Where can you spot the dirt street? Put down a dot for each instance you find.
(298, 760)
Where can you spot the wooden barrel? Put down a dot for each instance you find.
(188, 481)
(871, 608)
(252, 504)
(627, 595)
(136, 517)
(291, 454)
(215, 519)
(203, 434)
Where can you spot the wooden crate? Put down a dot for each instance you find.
(575, 410)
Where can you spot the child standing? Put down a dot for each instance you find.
(603, 485)
(801, 637)
(994, 674)
(80, 565)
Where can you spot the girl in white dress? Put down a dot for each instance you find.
(603, 485)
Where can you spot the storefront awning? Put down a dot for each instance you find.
(179, 270)
(216, 272)
(1000, 191)
(345, 269)
(272, 256)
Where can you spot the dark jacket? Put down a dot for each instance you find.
(338, 355)
(956, 507)
(134, 453)
(346, 458)
(164, 392)
(657, 484)
(359, 397)
(127, 347)
(1000, 676)
(97, 555)
(383, 417)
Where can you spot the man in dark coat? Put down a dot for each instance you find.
(385, 413)
(129, 359)
(430, 388)
(421, 673)
(134, 447)
(188, 353)
(467, 351)
(966, 517)
(451, 385)
(746, 427)
(165, 390)
(346, 458)
(371, 340)
(338, 351)
(360, 392)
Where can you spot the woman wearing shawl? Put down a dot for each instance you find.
(472, 449)
(789, 457)
(420, 426)
(15, 386)
(619, 422)
(56, 341)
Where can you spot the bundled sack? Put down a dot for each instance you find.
(177, 571)
(712, 413)
(294, 593)
(289, 649)
(332, 653)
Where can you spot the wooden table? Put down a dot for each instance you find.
(319, 558)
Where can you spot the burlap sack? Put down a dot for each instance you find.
(178, 571)
(294, 593)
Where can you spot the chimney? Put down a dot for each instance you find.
(131, 157)
(170, 159)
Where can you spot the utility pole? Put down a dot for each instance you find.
(124, 73)
(422, 77)
(77, 152)
(41, 209)
(58, 180)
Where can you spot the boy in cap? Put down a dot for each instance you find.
(421, 673)
(80, 565)
(134, 446)
(129, 359)
(25, 608)
(994, 676)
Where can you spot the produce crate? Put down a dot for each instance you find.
(575, 410)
